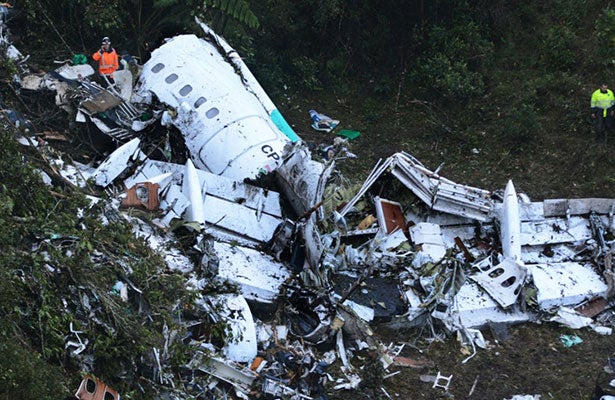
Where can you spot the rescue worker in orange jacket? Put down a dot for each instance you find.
(107, 60)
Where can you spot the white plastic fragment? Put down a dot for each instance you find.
(428, 237)
(442, 381)
(118, 161)
(259, 276)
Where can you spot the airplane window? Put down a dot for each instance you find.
(212, 112)
(185, 90)
(199, 102)
(158, 67)
(171, 78)
(90, 386)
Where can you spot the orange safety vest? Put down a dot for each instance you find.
(107, 62)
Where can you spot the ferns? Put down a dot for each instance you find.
(238, 9)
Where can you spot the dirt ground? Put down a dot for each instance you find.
(532, 360)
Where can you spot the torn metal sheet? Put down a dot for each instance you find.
(436, 192)
(502, 281)
(240, 377)
(230, 135)
(428, 237)
(253, 197)
(163, 244)
(232, 210)
(118, 162)
(439, 193)
(259, 276)
(241, 343)
(565, 284)
(302, 179)
(472, 308)
(75, 72)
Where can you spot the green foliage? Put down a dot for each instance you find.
(605, 36)
(25, 375)
(238, 9)
(557, 43)
(520, 125)
(571, 12)
(442, 76)
(51, 260)
(307, 69)
(372, 376)
(453, 62)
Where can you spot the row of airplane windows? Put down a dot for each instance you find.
(185, 90)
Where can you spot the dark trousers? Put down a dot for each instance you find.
(106, 82)
(603, 125)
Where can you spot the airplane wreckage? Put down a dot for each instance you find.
(407, 248)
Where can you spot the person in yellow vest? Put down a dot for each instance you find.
(602, 103)
(107, 60)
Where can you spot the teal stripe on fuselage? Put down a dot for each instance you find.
(280, 122)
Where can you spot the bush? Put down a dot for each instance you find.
(455, 59)
(605, 36)
(557, 42)
(452, 79)
(520, 125)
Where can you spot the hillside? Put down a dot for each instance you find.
(514, 106)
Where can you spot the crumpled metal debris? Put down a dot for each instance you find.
(293, 261)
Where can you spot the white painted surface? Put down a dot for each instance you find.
(565, 284)
(235, 311)
(227, 129)
(118, 161)
(510, 224)
(191, 188)
(259, 276)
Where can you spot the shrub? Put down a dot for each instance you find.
(605, 36)
(455, 59)
(557, 44)
(520, 125)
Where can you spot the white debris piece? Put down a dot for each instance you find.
(75, 72)
(241, 345)
(510, 224)
(118, 161)
(565, 284)
(472, 308)
(259, 276)
(234, 211)
(429, 237)
(502, 281)
(192, 189)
